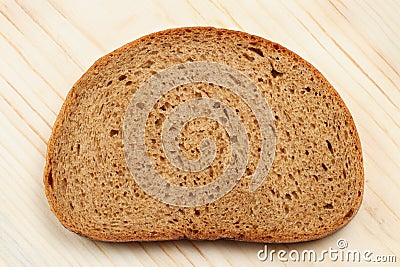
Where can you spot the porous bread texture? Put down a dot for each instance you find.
(314, 187)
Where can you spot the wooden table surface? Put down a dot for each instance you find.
(46, 45)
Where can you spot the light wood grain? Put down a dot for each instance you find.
(45, 46)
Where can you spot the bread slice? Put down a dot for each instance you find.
(102, 185)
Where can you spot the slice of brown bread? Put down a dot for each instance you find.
(313, 187)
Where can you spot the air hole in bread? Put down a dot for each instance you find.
(122, 77)
(257, 51)
(147, 64)
(50, 179)
(324, 167)
(276, 73)
(286, 209)
(248, 57)
(248, 171)
(349, 214)
(113, 132)
(328, 206)
(329, 146)
(158, 122)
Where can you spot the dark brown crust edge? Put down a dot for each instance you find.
(283, 239)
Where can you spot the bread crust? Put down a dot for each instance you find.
(115, 237)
